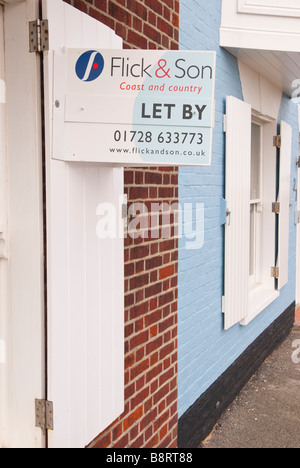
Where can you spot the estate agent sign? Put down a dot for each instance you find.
(133, 107)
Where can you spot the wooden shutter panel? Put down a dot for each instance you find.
(284, 200)
(85, 273)
(237, 230)
(3, 162)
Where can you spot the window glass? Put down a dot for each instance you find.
(255, 161)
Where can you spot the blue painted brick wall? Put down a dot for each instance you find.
(205, 349)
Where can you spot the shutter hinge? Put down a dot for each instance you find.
(38, 36)
(276, 207)
(297, 217)
(44, 414)
(298, 163)
(277, 141)
(275, 272)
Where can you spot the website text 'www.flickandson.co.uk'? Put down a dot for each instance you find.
(153, 221)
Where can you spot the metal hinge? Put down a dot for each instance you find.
(44, 414)
(298, 163)
(297, 217)
(275, 272)
(277, 141)
(38, 36)
(276, 207)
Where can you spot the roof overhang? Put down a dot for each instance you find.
(280, 68)
(266, 37)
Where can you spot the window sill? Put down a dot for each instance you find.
(259, 299)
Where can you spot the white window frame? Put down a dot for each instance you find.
(256, 203)
(262, 290)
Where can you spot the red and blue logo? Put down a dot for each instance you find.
(89, 66)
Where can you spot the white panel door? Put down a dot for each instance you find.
(22, 360)
(237, 229)
(85, 273)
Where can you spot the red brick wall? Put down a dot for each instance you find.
(150, 417)
(151, 265)
(142, 24)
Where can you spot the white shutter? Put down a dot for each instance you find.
(4, 314)
(3, 162)
(85, 274)
(21, 276)
(298, 244)
(237, 230)
(284, 199)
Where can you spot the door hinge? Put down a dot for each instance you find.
(44, 414)
(275, 272)
(276, 207)
(297, 217)
(38, 36)
(277, 141)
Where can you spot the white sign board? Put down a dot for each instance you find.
(133, 107)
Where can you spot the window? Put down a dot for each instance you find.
(250, 232)
(255, 204)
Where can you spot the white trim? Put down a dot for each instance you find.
(263, 294)
(259, 300)
(234, 38)
(267, 8)
(264, 97)
(257, 214)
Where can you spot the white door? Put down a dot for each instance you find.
(85, 274)
(22, 369)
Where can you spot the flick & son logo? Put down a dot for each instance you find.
(89, 66)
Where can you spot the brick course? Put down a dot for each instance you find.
(151, 265)
(142, 24)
